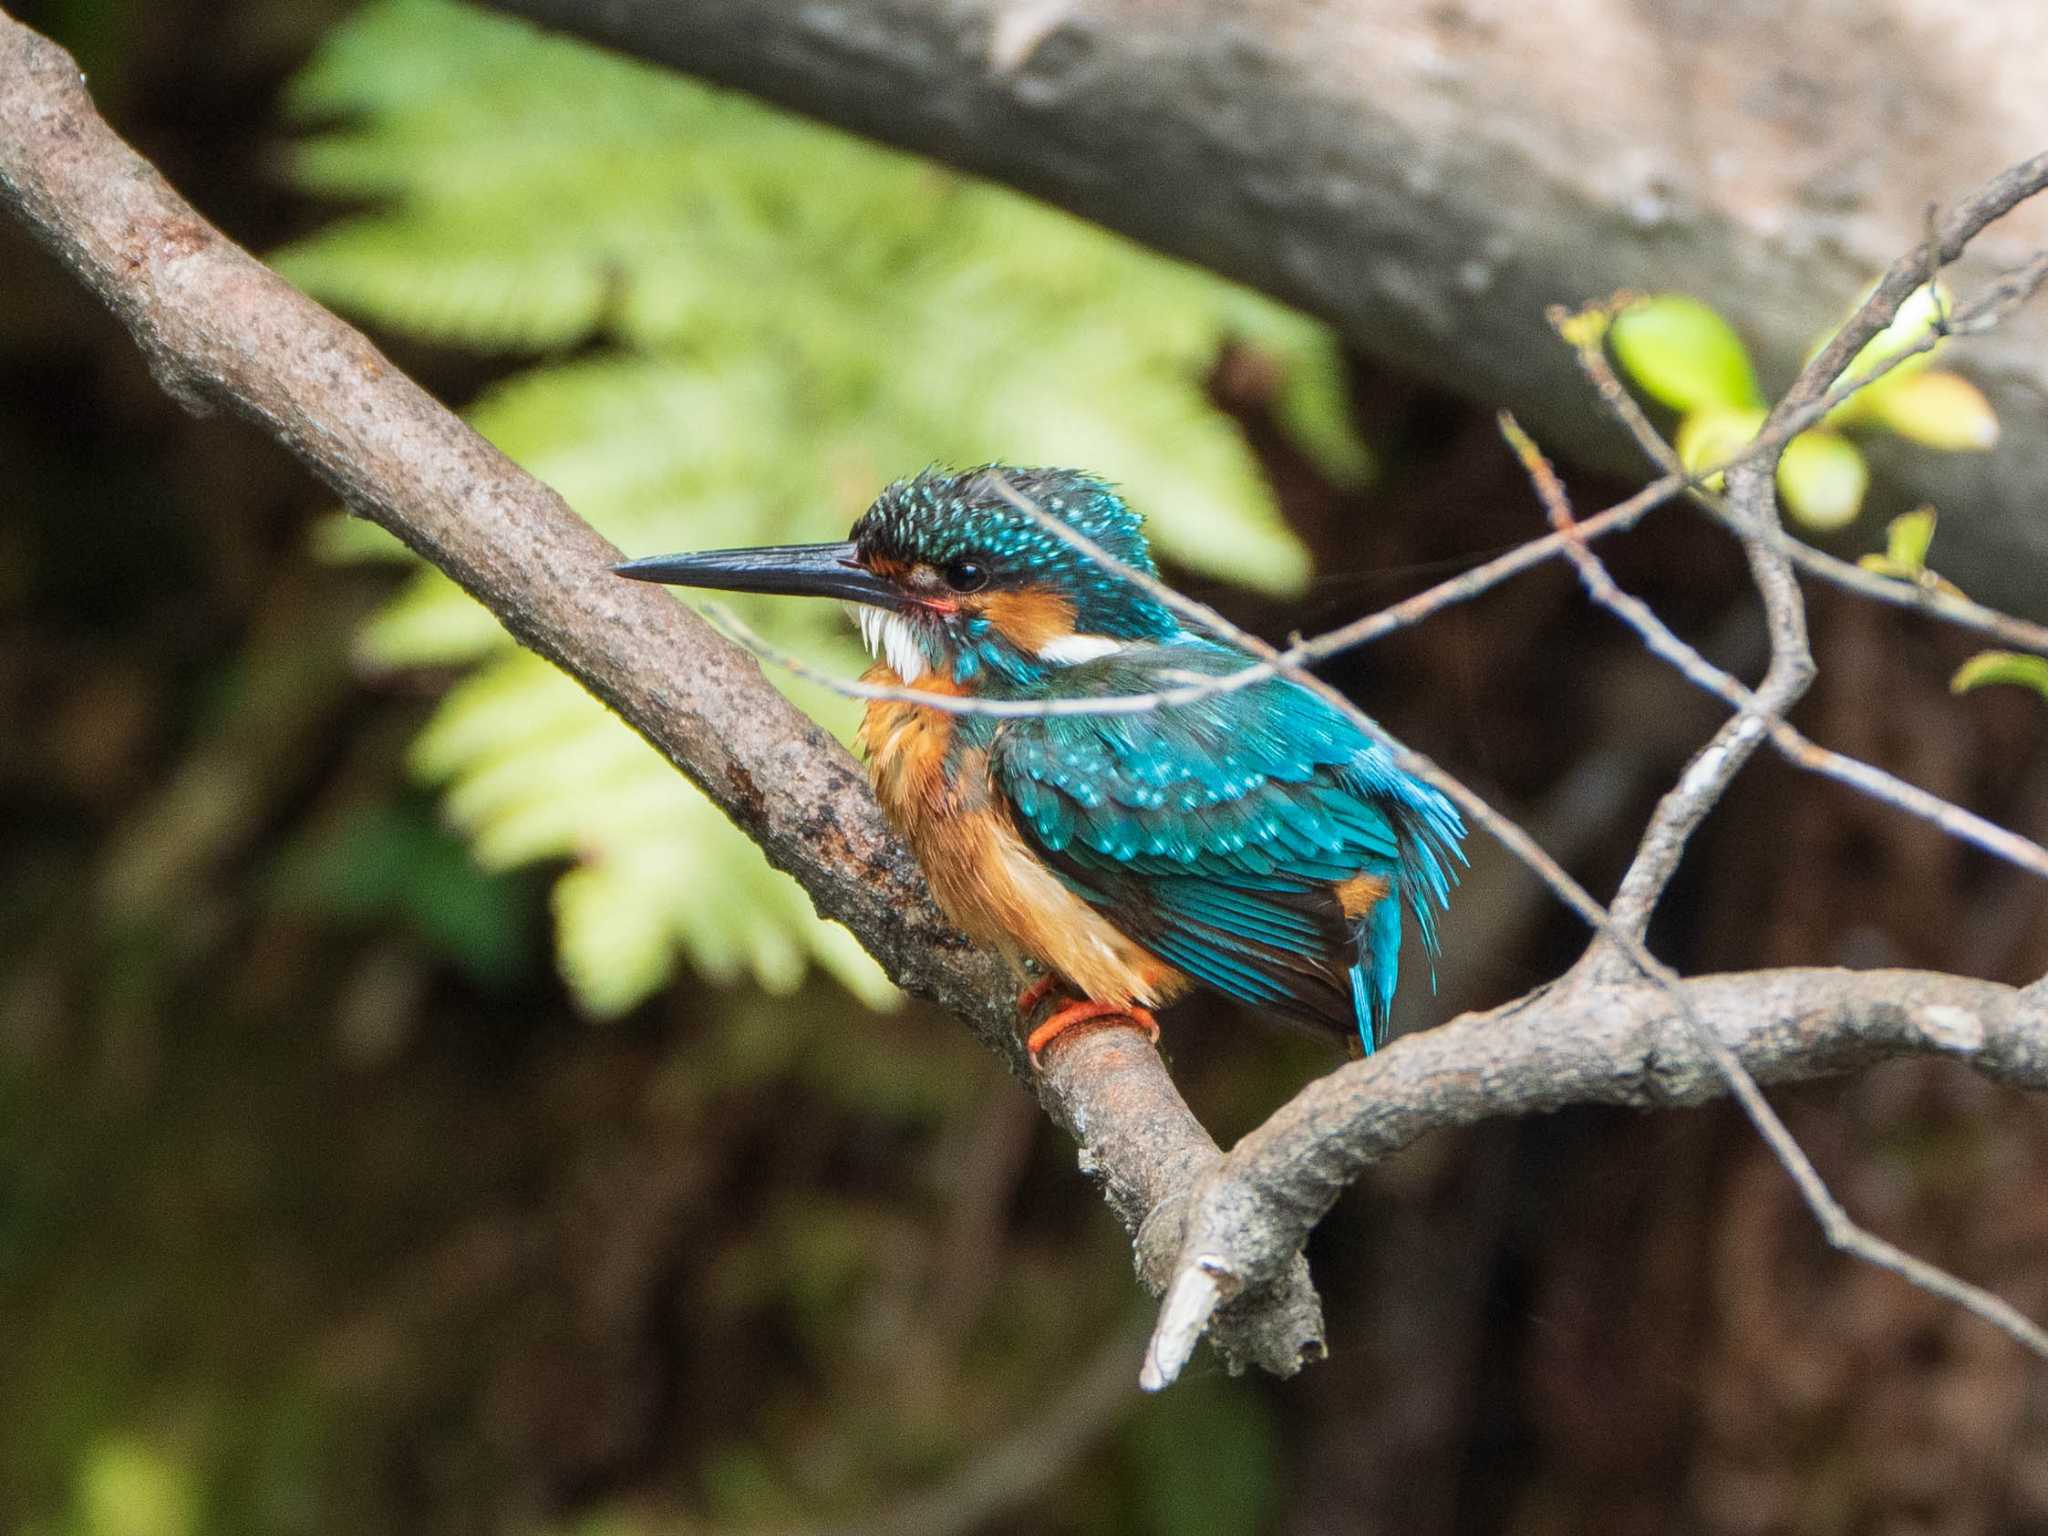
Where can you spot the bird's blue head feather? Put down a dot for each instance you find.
(1014, 586)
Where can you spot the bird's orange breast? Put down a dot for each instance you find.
(982, 873)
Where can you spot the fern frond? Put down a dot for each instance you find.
(786, 319)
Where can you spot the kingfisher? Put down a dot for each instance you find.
(1256, 842)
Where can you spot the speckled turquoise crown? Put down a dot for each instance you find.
(940, 516)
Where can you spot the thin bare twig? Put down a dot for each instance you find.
(1798, 748)
(1207, 1275)
(1299, 653)
(1751, 511)
(1841, 1230)
(1997, 300)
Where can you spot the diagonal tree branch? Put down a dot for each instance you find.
(1793, 743)
(220, 330)
(1842, 1230)
(1617, 1044)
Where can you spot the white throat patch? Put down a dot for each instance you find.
(1068, 649)
(890, 638)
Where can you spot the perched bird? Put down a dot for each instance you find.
(1256, 842)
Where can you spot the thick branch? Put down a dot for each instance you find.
(219, 328)
(1430, 177)
(1596, 1044)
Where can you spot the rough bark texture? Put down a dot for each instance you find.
(1598, 1044)
(1430, 177)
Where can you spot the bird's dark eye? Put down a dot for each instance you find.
(966, 575)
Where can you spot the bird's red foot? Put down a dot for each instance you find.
(1029, 999)
(1088, 1013)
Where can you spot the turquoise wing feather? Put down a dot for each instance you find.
(1217, 833)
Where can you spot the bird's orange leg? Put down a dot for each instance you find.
(1085, 1012)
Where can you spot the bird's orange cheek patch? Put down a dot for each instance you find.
(1029, 620)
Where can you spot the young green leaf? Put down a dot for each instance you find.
(1822, 478)
(1684, 354)
(1916, 319)
(1716, 435)
(1908, 538)
(1937, 410)
(2011, 667)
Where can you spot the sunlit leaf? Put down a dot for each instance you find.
(356, 541)
(1938, 410)
(1684, 354)
(1908, 538)
(535, 769)
(1915, 320)
(1822, 479)
(430, 623)
(1715, 436)
(2011, 667)
(1315, 409)
(1916, 317)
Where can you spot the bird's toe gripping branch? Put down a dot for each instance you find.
(1074, 1013)
(1031, 997)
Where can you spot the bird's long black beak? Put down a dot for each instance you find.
(792, 570)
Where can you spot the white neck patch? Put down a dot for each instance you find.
(1068, 649)
(890, 638)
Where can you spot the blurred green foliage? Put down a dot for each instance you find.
(1907, 541)
(745, 325)
(391, 863)
(1682, 354)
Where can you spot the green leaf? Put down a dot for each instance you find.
(1916, 317)
(1684, 354)
(1822, 478)
(431, 623)
(1937, 410)
(345, 540)
(1908, 538)
(393, 862)
(2011, 667)
(1915, 320)
(1314, 408)
(1716, 435)
(534, 770)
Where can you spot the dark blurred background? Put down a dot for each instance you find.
(328, 1204)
